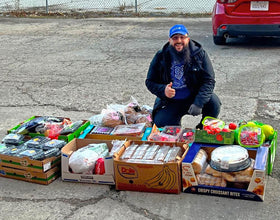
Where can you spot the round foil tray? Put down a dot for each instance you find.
(230, 158)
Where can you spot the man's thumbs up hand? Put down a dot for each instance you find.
(169, 91)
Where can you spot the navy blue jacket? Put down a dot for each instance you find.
(199, 74)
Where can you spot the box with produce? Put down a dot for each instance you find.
(53, 127)
(149, 166)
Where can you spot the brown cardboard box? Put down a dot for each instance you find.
(253, 188)
(25, 163)
(44, 178)
(68, 149)
(147, 177)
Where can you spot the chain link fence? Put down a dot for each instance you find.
(110, 6)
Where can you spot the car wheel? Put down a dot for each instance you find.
(219, 40)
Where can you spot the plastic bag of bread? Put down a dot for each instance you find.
(111, 118)
(200, 161)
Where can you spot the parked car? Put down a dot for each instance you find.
(247, 18)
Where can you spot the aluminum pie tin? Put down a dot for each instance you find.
(230, 158)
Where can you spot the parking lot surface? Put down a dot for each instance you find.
(76, 67)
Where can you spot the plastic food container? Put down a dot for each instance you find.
(230, 158)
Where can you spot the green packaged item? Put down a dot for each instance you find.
(250, 135)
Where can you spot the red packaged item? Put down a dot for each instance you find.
(99, 167)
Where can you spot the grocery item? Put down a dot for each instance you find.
(53, 144)
(70, 128)
(140, 151)
(151, 152)
(3, 147)
(32, 153)
(206, 179)
(14, 150)
(230, 158)
(14, 139)
(130, 130)
(117, 144)
(213, 125)
(83, 160)
(36, 142)
(200, 161)
(129, 151)
(250, 135)
(101, 130)
(172, 154)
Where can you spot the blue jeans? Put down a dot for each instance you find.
(172, 113)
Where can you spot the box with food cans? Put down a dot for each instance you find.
(149, 166)
(225, 170)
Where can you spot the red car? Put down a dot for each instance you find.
(252, 18)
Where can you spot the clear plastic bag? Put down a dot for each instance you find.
(83, 160)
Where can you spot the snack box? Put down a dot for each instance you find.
(201, 136)
(108, 136)
(75, 144)
(253, 188)
(27, 164)
(66, 138)
(44, 178)
(148, 177)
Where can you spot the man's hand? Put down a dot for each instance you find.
(194, 110)
(169, 91)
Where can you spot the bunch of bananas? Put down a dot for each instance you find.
(165, 179)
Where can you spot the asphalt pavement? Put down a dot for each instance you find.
(76, 67)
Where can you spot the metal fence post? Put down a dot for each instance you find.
(135, 6)
(47, 7)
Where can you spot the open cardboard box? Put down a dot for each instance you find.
(66, 138)
(252, 190)
(67, 175)
(148, 177)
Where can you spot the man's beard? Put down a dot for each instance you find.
(183, 54)
(186, 54)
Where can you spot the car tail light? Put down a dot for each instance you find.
(226, 1)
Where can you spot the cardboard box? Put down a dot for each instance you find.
(27, 164)
(66, 138)
(75, 144)
(252, 190)
(44, 178)
(137, 176)
(201, 136)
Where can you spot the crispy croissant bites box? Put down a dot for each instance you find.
(200, 178)
(146, 176)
